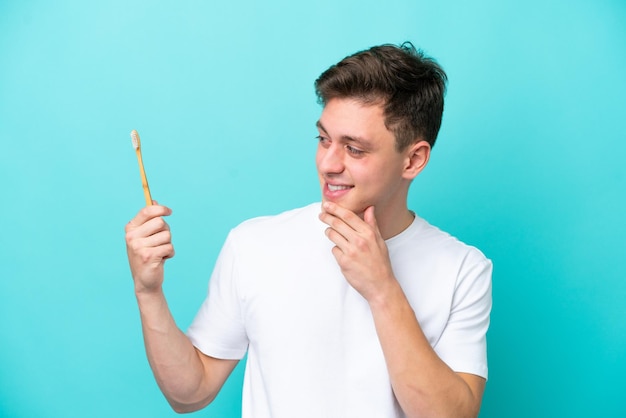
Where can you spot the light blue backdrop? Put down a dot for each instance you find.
(529, 167)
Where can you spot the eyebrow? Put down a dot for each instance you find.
(357, 139)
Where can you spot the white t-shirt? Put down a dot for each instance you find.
(278, 294)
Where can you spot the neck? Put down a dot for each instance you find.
(393, 225)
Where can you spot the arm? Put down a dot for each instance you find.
(189, 379)
(423, 384)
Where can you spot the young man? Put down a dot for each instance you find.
(352, 308)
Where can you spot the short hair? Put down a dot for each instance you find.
(409, 85)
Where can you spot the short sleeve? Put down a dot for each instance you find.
(217, 329)
(463, 343)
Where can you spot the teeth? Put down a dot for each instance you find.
(334, 188)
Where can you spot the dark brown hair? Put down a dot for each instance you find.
(409, 85)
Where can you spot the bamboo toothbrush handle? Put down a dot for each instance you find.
(144, 179)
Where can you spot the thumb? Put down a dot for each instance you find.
(369, 217)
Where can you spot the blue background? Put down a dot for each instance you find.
(529, 167)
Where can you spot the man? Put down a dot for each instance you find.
(352, 308)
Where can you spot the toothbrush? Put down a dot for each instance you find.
(134, 136)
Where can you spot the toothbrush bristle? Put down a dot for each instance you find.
(134, 136)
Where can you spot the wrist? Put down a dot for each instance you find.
(147, 295)
(154, 312)
(388, 295)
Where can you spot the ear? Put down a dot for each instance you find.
(417, 156)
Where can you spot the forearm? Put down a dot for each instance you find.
(177, 368)
(423, 384)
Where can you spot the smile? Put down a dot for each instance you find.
(334, 188)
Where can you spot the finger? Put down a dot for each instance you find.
(338, 211)
(338, 253)
(158, 239)
(151, 227)
(337, 225)
(135, 236)
(350, 218)
(149, 212)
(338, 239)
(165, 251)
(154, 254)
(370, 218)
(350, 227)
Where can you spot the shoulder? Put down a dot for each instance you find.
(439, 261)
(424, 238)
(263, 243)
(469, 270)
(292, 222)
(289, 216)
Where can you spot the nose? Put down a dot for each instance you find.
(330, 159)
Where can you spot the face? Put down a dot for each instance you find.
(357, 161)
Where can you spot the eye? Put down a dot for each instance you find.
(354, 151)
(323, 141)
